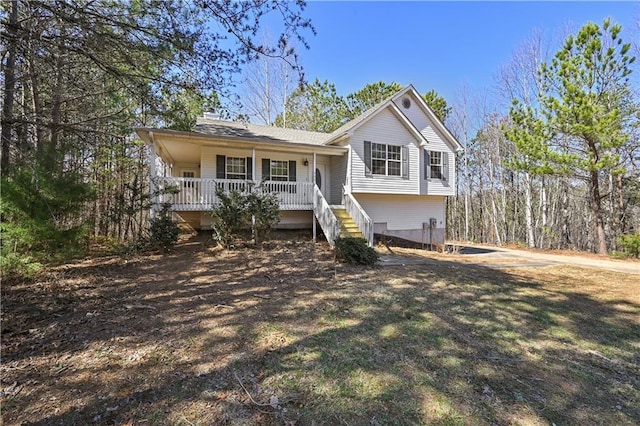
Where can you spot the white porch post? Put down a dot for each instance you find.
(348, 183)
(313, 179)
(253, 165)
(313, 172)
(151, 155)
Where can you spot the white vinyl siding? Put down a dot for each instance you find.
(403, 212)
(289, 219)
(295, 219)
(432, 163)
(437, 143)
(208, 165)
(384, 128)
(338, 171)
(179, 168)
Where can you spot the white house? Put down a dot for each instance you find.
(386, 172)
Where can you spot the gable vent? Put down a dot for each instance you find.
(406, 102)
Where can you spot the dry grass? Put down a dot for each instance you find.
(174, 339)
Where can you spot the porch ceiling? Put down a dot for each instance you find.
(179, 151)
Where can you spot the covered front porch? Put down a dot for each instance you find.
(198, 194)
(187, 169)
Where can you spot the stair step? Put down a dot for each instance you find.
(343, 216)
(348, 227)
(351, 235)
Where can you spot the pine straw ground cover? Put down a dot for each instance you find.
(283, 336)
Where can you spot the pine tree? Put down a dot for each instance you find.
(580, 123)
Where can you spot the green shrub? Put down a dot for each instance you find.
(355, 251)
(265, 213)
(237, 213)
(41, 213)
(163, 230)
(630, 243)
(619, 255)
(229, 217)
(16, 265)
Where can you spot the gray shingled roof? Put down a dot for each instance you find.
(270, 133)
(254, 131)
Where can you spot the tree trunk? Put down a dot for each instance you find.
(596, 209)
(494, 207)
(531, 242)
(9, 86)
(36, 104)
(466, 195)
(544, 210)
(622, 205)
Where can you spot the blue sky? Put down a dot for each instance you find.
(437, 45)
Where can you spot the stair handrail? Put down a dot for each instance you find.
(327, 220)
(359, 215)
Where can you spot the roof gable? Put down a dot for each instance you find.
(431, 116)
(348, 128)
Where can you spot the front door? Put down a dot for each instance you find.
(322, 180)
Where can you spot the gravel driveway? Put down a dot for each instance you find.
(499, 257)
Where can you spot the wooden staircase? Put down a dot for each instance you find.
(348, 228)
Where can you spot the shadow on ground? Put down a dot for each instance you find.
(283, 336)
(475, 250)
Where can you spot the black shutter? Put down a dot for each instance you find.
(405, 162)
(292, 171)
(249, 168)
(427, 165)
(221, 169)
(266, 169)
(367, 158)
(292, 176)
(445, 166)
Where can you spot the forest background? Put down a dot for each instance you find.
(557, 167)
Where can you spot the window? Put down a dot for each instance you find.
(436, 165)
(236, 168)
(386, 159)
(279, 170)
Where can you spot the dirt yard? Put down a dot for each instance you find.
(283, 336)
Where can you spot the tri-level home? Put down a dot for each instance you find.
(387, 172)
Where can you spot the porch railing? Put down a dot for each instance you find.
(327, 220)
(291, 195)
(359, 216)
(200, 193)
